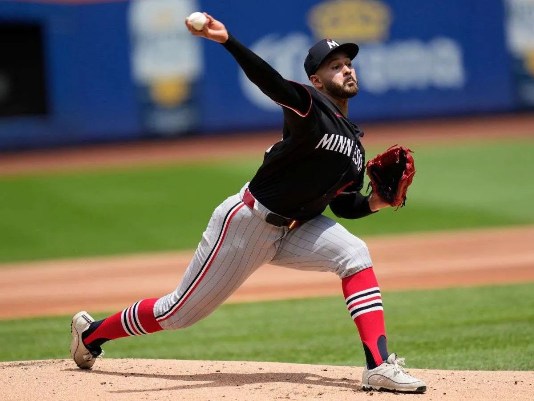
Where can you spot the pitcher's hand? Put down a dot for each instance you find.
(213, 30)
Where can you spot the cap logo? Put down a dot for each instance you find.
(331, 43)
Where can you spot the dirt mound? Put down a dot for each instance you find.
(141, 379)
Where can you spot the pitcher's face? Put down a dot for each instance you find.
(338, 76)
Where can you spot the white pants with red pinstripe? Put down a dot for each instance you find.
(238, 241)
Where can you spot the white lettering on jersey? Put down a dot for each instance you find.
(357, 158)
(348, 147)
(325, 141)
(336, 143)
(341, 145)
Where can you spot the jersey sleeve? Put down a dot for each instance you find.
(351, 205)
(288, 94)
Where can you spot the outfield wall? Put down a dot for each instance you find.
(91, 71)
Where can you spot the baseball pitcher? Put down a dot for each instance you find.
(277, 217)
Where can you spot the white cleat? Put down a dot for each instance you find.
(84, 358)
(391, 376)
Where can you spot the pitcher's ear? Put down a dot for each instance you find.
(316, 81)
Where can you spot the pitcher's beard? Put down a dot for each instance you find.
(342, 91)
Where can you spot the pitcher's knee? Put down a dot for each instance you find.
(354, 259)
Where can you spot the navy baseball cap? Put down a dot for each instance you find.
(322, 49)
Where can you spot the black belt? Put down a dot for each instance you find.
(271, 218)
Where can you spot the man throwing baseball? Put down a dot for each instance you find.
(277, 217)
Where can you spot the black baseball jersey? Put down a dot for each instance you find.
(320, 155)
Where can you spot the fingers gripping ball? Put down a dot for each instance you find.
(197, 20)
(391, 173)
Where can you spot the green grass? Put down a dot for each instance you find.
(483, 328)
(73, 214)
(108, 212)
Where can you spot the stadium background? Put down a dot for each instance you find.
(119, 133)
(74, 72)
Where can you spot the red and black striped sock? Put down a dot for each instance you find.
(138, 319)
(364, 302)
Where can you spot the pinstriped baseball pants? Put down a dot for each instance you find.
(237, 241)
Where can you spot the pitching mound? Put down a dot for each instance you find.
(142, 379)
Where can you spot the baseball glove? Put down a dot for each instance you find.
(391, 173)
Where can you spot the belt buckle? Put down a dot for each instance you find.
(281, 221)
(275, 219)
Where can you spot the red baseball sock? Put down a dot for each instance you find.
(364, 303)
(135, 320)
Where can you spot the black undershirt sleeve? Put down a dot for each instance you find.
(352, 205)
(267, 78)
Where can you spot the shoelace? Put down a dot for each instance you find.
(398, 365)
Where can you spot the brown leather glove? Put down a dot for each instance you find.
(391, 173)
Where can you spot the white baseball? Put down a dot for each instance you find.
(198, 20)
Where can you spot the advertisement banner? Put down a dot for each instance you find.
(520, 36)
(166, 64)
(87, 75)
(417, 58)
(121, 70)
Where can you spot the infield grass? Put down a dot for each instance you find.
(481, 328)
(148, 209)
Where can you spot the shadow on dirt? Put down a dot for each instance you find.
(222, 379)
